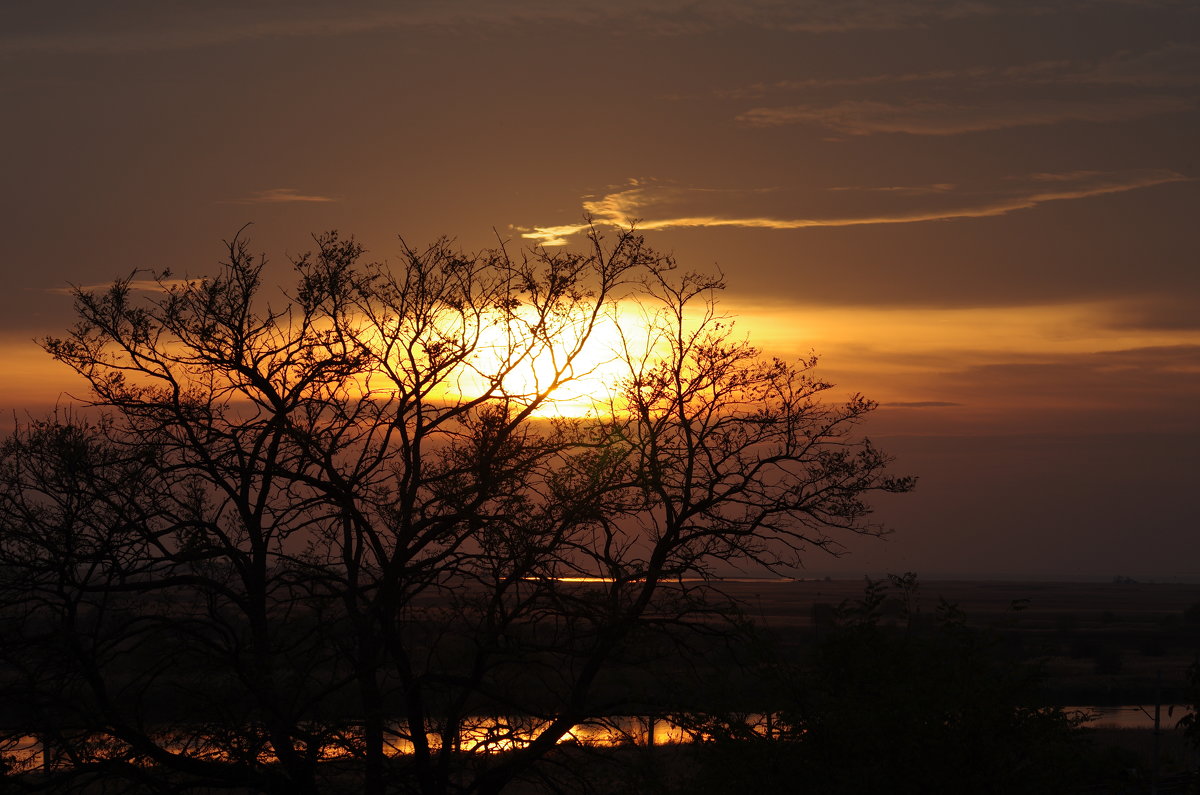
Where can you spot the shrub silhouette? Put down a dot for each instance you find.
(295, 531)
(928, 705)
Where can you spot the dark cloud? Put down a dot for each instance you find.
(1156, 386)
(137, 285)
(1170, 311)
(76, 27)
(1171, 65)
(925, 117)
(919, 404)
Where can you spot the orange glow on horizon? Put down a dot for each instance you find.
(891, 354)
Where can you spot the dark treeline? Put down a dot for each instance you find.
(329, 540)
(882, 695)
(333, 519)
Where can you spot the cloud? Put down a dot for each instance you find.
(924, 117)
(892, 341)
(1174, 311)
(78, 27)
(137, 285)
(280, 196)
(919, 404)
(907, 190)
(653, 206)
(150, 26)
(1166, 378)
(1170, 66)
(940, 368)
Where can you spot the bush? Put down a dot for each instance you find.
(921, 707)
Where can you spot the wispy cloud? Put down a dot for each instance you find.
(920, 404)
(653, 206)
(923, 117)
(223, 22)
(137, 285)
(72, 26)
(1003, 356)
(1165, 377)
(1172, 65)
(280, 196)
(907, 190)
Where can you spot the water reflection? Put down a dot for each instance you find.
(1131, 716)
(478, 735)
(482, 734)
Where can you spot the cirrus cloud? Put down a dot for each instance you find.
(56, 27)
(281, 196)
(135, 285)
(652, 206)
(1169, 66)
(923, 117)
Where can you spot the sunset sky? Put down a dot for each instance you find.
(982, 214)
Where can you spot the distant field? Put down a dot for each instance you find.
(782, 602)
(1101, 643)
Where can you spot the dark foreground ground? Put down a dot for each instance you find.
(1121, 644)
(1106, 644)
(1100, 643)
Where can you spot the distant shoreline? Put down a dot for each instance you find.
(931, 577)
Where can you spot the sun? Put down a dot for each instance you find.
(572, 366)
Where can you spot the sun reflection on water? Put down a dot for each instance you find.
(478, 735)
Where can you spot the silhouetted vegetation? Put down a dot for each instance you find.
(888, 698)
(1190, 723)
(322, 540)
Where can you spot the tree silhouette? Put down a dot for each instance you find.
(330, 540)
(893, 699)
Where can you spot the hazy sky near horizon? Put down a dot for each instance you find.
(982, 214)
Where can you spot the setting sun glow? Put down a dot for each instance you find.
(574, 369)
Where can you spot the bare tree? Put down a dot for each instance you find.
(332, 541)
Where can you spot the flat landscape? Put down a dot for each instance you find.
(1099, 643)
